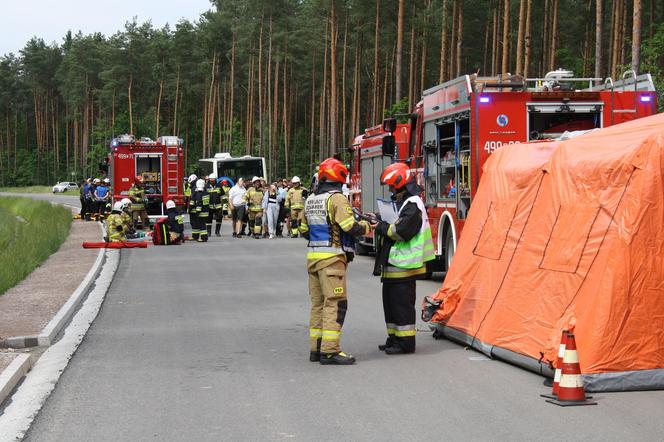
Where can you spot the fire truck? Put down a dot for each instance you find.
(458, 124)
(160, 163)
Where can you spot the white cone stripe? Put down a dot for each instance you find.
(561, 350)
(556, 375)
(571, 357)
(571, 381)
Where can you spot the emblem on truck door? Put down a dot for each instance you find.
(502, 120)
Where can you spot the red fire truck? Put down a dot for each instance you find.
(160, 163)
(458, 124)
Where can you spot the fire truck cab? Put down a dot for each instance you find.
(458, 124)
(160, 163)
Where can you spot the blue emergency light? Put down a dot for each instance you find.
(484, 99)
(646, 98)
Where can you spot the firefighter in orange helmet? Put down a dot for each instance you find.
(330, 227)
(405, 248)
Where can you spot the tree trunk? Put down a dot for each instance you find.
(636, 36)
(376, 81)
(520, 37)
(158, 113)
(459, 39)
(425, 47)
(443, 43)
(527, 38)
(131, 118)
(344, 121)
(453, 38)
(260, 89)
(333, 79)
(285, 116)
(323, 102)
(232, 92)
(495, 34)
(554, 35)
(397, 76)
(411, 63)
(506, 40)
(599, 21)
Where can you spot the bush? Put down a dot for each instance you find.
(30, 231)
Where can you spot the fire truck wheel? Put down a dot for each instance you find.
(449, 250)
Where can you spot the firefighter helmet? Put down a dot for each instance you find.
(192, 178)
(170, 204)
(117, 207)
(254, 179)
(138, 179)
(397, 175)
(96, 181)
(107, 181)
(224, 181)
(332, 170)
(296, 179)
(212, 176)
(126, 202)
(200, 184)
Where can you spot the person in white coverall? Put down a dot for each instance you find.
(271, 207)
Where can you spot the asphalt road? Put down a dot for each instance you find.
(209, 342)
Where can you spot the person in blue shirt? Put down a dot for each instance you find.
(100, 197)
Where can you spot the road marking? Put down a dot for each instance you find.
(42, 379)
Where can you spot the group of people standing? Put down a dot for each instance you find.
(95, 196)
(260, 207)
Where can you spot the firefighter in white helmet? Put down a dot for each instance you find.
(254, 198)
(188, 184)
(216, 207)
(115, 226)
(199, 212)
(126, 215)
(295, 203)
(174, 224)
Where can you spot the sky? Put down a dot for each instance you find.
(51, 19)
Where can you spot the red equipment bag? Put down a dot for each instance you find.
(161, 233)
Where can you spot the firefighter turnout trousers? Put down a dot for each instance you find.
(296, 217)
(255, 221)
(399, 310)
(327, 288)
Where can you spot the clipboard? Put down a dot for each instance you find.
(387, 211)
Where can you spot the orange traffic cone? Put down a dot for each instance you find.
(559, 364)
(570, 387)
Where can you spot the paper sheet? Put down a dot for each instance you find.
(387, 211)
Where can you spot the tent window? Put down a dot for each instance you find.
(492, 238)
(569, 238)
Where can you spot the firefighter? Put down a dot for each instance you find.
(295, 203)
(175, 224)
(126, 216)
(115, 227)
(329, 226)
(226, 189)
(216, 207)
(85, 199)
(137, 197)
(201, 208)
(187, 189)
(254, 198)
(405, 248)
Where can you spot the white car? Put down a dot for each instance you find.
(64, 186)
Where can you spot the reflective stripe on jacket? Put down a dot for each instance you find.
(327, 238)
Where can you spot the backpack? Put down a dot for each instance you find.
(161, 232)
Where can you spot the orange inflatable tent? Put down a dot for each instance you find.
(567, 235)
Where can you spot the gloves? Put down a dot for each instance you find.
(305, 193)
(366, 225)
(382, 228)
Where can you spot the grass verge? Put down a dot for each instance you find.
(30, 231)
(36, 189)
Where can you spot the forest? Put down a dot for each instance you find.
(291, 80)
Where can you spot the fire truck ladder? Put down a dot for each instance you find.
(172, 169)
(629, 78)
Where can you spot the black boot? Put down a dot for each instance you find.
(217, 229)
(314, 356)
(340, 358)
(397, 350)
(388, 343)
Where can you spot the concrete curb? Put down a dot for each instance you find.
(62, 317)
(11, 376)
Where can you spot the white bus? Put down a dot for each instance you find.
(224, 165)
